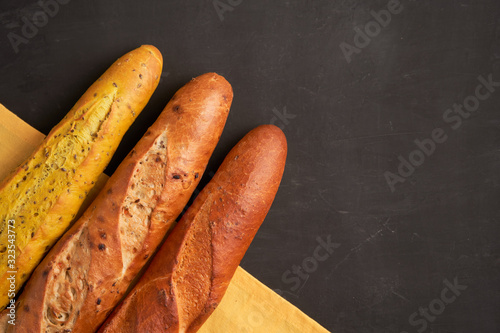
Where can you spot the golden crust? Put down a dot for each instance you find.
(190, 273)
(44, 194)
(88, 271)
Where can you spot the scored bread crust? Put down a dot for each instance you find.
(192, 270)
(88, 271)
(43, 195)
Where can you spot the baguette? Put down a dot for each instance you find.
(192, 270)
(88, 271)
(42, 196)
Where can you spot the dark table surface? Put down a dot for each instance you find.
(386, 168)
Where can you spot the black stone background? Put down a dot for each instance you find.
(347, 125)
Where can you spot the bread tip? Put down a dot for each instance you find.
(220, 81)
(154, 51)
(271, 138)
(212, 76)
(273, 131)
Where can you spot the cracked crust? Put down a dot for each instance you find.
(130, 216)
(192, 270)
(44, 194)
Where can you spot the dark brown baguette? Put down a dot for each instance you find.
(192, 270)
(86, 274)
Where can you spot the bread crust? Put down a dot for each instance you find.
(43, 195)
(192, 270)
(88, 271)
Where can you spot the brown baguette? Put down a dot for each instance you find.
(42, 196)
(191, 272)
(86, 274)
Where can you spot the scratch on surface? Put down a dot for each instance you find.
(400, 296)
(314, 93)
(358, 247)
(305, 282)
(376, 136)
(385, 225)
(326, 201)
(415, 235)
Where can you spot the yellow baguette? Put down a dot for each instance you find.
(41, 197)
